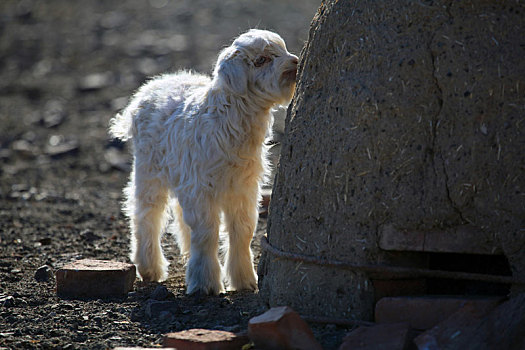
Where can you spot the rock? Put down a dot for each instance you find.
(392, 336)
(425, 312)
(89, 236)
(204, 339)
(160, 293)
(95, 278)
(45, 241)
(281, 328)
(54, 113)
(117, 159)
(7, 300)
(480, 327)
(24, 149)
(5, 154)
(95, 81)
(154, 308)
(43, 274)
(61, 149)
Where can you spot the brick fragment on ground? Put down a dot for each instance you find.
(95, 278)
(281, 328)
(425, 312)
(480, 327)
(205, 339)
(392, 336)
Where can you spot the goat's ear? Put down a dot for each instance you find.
(231, 72)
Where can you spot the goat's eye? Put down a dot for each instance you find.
(259, 61)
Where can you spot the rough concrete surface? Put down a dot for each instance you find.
(409, 115)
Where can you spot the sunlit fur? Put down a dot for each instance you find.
(198, 144)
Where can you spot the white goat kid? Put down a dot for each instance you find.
(198, 143)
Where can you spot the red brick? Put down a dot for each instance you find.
(95, 278)
(448, 329)
(424, 312)
(461, 239)
(480, 327)
(392, 336)
(204, 339)
(281, 328)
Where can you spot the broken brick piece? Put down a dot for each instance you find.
(392, 336)
(95, 278)
(281, 328)
(424, 312)
(480, 327)
(204, 339)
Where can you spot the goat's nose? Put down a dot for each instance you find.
(295, 60)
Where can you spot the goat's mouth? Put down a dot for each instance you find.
(289, 75)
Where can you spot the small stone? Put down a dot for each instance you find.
(7, 300)
(54, 113)
(95, 81)
(61, 149)
(43, 274)
(45, 241)
(160, 293)
(205, 339)
(95, 278)
(392, 336)
(89, 236)
(117, 159)
(281, 328)
(24, 148)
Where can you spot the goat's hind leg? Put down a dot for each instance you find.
(241, 216)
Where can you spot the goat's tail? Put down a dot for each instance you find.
(121, 126)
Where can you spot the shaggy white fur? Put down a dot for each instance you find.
(199, 141)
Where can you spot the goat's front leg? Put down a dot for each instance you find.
(203, 273)
(240, 212)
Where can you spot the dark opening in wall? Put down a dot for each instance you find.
(474, 263)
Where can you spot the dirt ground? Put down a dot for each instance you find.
(65, 68)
